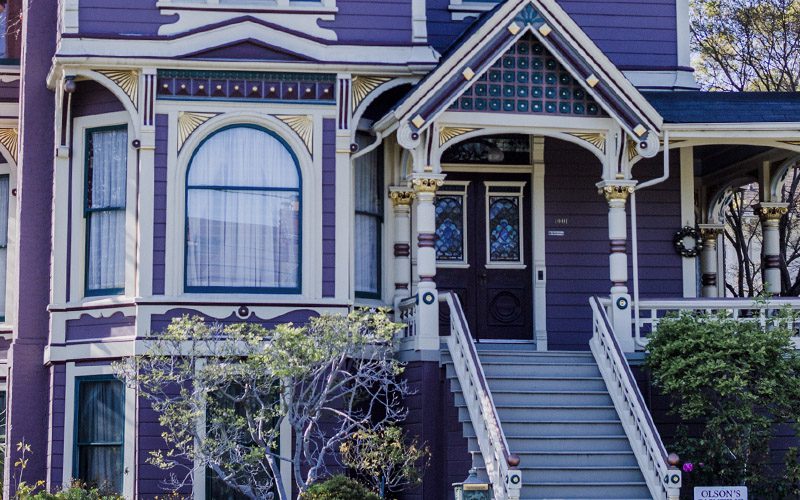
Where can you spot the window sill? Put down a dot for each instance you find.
(305, 7)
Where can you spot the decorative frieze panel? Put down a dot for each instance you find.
(246, 86)
(302, 125)
(9, 138)
(127, 80)
(527, 79)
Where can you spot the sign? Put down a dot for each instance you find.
(555, 233)
(713, 492)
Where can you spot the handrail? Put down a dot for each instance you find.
(637, 421)
(501, 465)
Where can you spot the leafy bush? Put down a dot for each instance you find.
(77, 491)
(338, 488)
(738, 379)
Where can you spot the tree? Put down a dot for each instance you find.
(222, 394)
(747, 44)
(737, 377)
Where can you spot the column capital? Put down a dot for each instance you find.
(426, 183)
(710, 231)
(771, 211)
(618, 190)
(401, 196)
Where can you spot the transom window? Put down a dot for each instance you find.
(243, 214)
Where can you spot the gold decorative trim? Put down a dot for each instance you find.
(632, 151)
(596, 139)
(792, 143)
(545, 30)
(514, 28)
(9, 138)
(426, 184)
(127, 80)
(592, 80)
(616, 191)
(302, 125)
(362, 86)
(468, 74)
(418, 121)
(402, 198)
(772, 211)
(188, 122)
(448, 133)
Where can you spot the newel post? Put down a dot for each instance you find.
(674, 479)
(425, 186)
(616, 193)
(770, 214)
(709, 234)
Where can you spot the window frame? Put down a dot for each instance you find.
(4, 310)
(380, 217)
(456, 189)
(87, 132)
(510, 189)
(76, 421)
(296, 290)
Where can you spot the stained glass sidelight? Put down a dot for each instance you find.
(450, 228)
(504, 240)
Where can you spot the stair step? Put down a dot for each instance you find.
(523, 429)
(576, 443)
(501, 368)
(516, 382)
(622, 474)
(592, 490)
(547, 413)
(577, 459)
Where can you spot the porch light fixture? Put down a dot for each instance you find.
(472, 488)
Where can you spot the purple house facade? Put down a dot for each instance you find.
(507, 176)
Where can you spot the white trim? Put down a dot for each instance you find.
(10, 168)
(538, 224)
(688, 264)
(129, 466)
(251, 5)
(464, 195)
(77, 265)
(682, 21)
(668, 79)
(488, 185)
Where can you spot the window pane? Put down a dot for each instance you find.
(367, 255)
(106, 250)
(105, 209)
(450, 228)
(504, 242)
(368, 218)
(100, 427)
(243, 238)
(4, 189)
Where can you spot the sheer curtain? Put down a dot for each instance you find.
(3, 243)
(105, 210)
(368, 219)
(243, 213)
(101, 424)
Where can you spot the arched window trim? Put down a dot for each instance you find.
(299, 190)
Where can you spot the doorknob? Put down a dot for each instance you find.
(482, 276)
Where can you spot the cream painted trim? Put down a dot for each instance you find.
(311, 275)
(520, 195)
(129, 466)
(464, 194)
(10, 169)
(662, 79)
(78, 243)
(683, 38)
(688, 264)
(69, 16)
(539, 225)
(245, 6)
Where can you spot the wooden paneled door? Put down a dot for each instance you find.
(483, 251)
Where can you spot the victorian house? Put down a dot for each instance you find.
(508, 176)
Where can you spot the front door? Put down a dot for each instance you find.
(482, 222)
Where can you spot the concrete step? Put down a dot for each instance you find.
(492, 369)
(577, 444)
(593, 490)
(524, 429)
(577, 459)
(533, 383)
(619, 474)
(547, 413)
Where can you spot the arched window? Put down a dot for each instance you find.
(243, 214)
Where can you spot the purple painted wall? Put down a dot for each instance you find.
(380, 22)
(29, 379)
(160, 204)
(58, 374)
(577, 263)
(9, 91)
(632, 33)
(87, 327)
(121, 17)
(92, 98)
(328, 207)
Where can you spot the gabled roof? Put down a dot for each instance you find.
(726, 107)
(493, 35)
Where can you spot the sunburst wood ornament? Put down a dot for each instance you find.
(632, 152)
(449, 133)
(364, 85)
(9, 138)
(596, 139)
(302, 125)
(188, 123)
(127, 80)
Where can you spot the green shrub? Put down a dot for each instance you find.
(77, 491)
(738, 379)
(338, 488)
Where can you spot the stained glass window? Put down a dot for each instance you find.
(504, 238)
(450, 228)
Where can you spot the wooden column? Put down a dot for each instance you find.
(770, 215)
(401, 209)
(709, 234)
(616, 193)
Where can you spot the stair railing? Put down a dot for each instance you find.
(659, 469)
(501, 465)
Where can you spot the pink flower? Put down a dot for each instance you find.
(688, 467)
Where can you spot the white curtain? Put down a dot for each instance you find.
(367, 220)
(106, 210)
(101, 422)
(243, 213)
(3, 242)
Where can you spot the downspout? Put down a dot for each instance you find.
(635, 232)
(362, 152)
